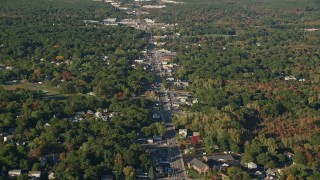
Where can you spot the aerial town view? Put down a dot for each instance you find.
(160, 89)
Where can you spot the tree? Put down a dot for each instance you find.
(299, 158)
(165, 84)
(151, 173)
(246, 158)
(161, 128)
(129, 172)
(36, 167)
(234, 172)
(291, 177)
(118, 167)
(145, 161)
(263, 158)
(245, 176)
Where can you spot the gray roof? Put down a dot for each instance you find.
(197, 163)
(225, 157)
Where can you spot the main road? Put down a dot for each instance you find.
(174, 155)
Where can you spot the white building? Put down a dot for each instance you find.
(34, 174)
(110, 21)
(183, 133)
(252, 165)
(14, 173)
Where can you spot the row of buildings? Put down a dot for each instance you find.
(32, 174)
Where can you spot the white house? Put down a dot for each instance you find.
(7, 138)
(252, 165)
(287, 78)
(98, 114)
(110, 21)
(150, 21)
(139, 60)
(183, 133)
(14, 173)
(34, 174)
(9, 68)
(51, 176)
(150, 141)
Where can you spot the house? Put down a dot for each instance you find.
(195, 140)
(34, 174)
(259, 174)
(14, 173)
(107, 177)
(51, 176)
(150, 141)
(311, 29)
(219, 157)
(289, 155)
(195, 101)
(53, 158)
(98, 114)
(157, 138)
(164, 62)
(167, 66)
(170, 79)
(252, 165)
(21, 143)
(199, 166)
(186, 151)
(154, 6)
(139, 61)
(155, 116)
(47, 125)
(110, 22)
(184, 83)
(43, 161)
(91, 22)
(9, 68)
(89, 113)
(287, 78)
(149, 21)
(271, 172)
(225, 165)
(183, 133)
(91, 94)
(196, 134)
(183, 100)
(7, 138)
(129, 22)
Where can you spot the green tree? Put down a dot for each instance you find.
(161, 128)
(263, 158)
(129, 172)
(299, 158)
(36, 167)
(151, 173)
(234, 172)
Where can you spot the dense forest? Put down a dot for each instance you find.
(254, 67)
(87, 71)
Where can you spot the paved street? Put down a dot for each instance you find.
(174, 154)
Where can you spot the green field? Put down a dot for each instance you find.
(50, 91)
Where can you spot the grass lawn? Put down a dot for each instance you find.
(50, 91)
(191, 173)
(47, 91)
(214, 35)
